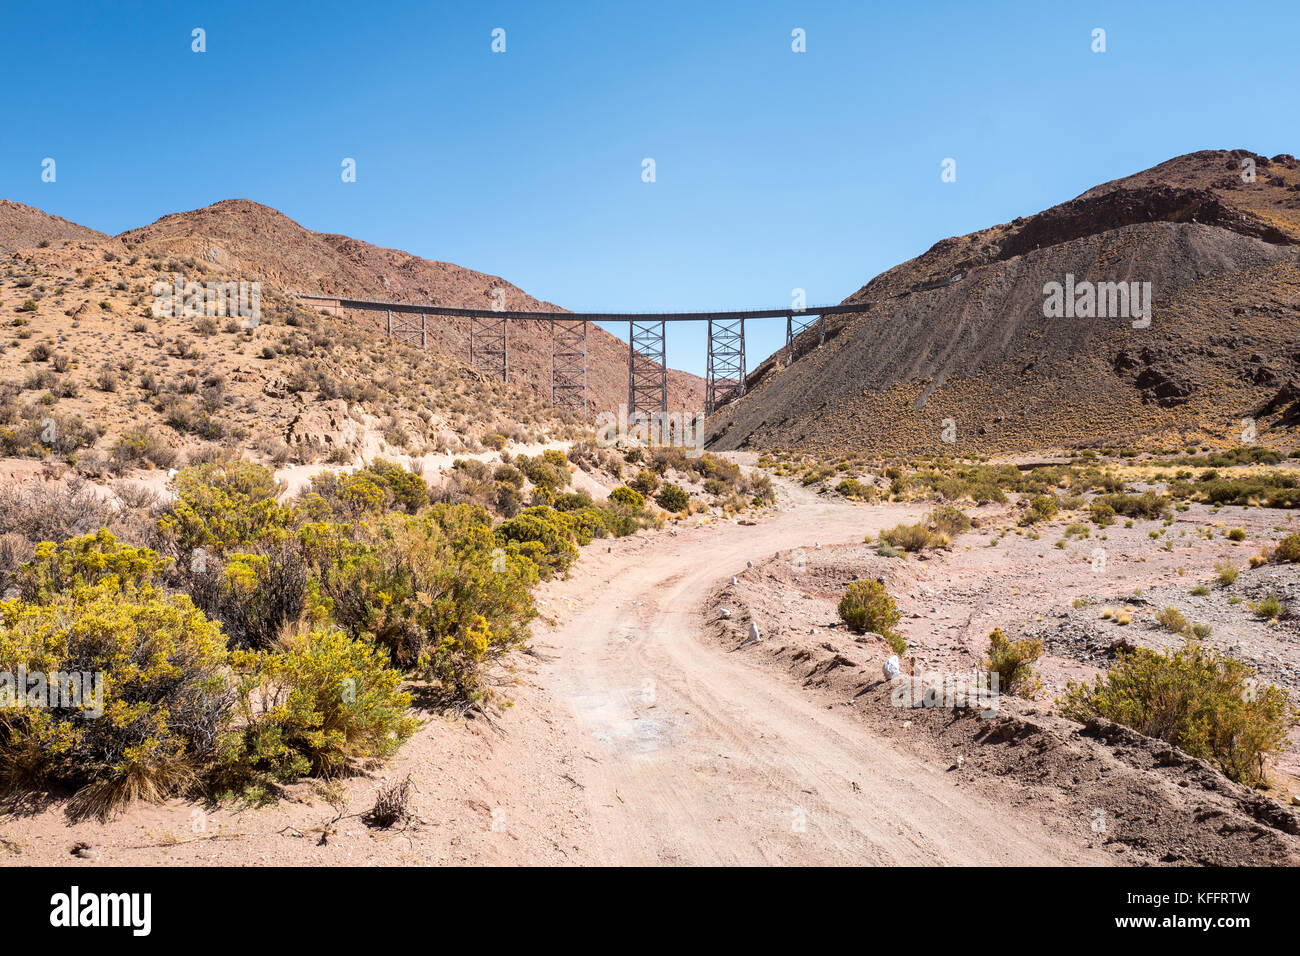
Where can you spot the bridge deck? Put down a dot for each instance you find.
(429, 308)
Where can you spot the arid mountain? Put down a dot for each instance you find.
(23, 227)
(256, 242)
(90, 373)
(962, 332)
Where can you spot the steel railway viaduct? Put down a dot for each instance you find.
(647, 370)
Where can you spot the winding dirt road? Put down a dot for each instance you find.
(697, 757)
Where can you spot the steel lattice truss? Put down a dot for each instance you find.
(487, 346)
(796, 324)
(569, 365)
(647, 376)
(726, 369)
(647, 373)
(408, 328)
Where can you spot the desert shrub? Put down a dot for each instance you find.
(225, 505)
(544, 535)
(907, 537)
(1288, 549)
(628, 496)
(1226, 573)
(142, 444)
(573, 501)
(84, 561)
(867, 606)
(645, 483)
(163, 693)
(545, 472)
(1270, 608)
(49, 513)
(254, 596)
(1041, 508)
(323, 704)
(379, 487)
(1103, 515)
(1172, 619)
(510, 475)
(439, 592)
(673, 498)
(1149, 504)
(950, 521)
(1013, 662)
(479, 470)
(1200, 701)
(506, 500)
(404, 490)
(852, 488)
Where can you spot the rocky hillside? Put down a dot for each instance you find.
(90, 375)
(256, 242)
(960, 332)
(23, 227)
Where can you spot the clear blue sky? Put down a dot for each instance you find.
(775, 170)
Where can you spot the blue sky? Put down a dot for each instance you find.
(774, 169)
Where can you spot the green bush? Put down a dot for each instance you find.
(319, 707)
(544, 535)
(84, 561)
(1288, 549)
(1204, 703)
(950, 521)
(573, 501)
(1227, 574)
(644, 483)
(1041, 508)
(223, 506)
(673, 498)
(852, 488)
(1149, 504)
(908, 537)
(1172, 619)
(628, 496)
(439, 592)
(546, 471)
(163, 693)
(1013, 662)
(867, 606)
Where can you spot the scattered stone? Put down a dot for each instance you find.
(891, 668)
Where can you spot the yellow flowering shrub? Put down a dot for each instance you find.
(159, 668)
(324, 703)
(85, 560)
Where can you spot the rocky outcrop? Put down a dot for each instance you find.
(326, 425)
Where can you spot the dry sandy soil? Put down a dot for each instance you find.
(645, 730)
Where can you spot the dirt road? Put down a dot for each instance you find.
(695, 757)
(633, 739)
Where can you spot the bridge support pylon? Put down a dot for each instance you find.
(411, 328)
(569, 365)
(487, 346)
(647, 375)
(796, 324)
(725, 379)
